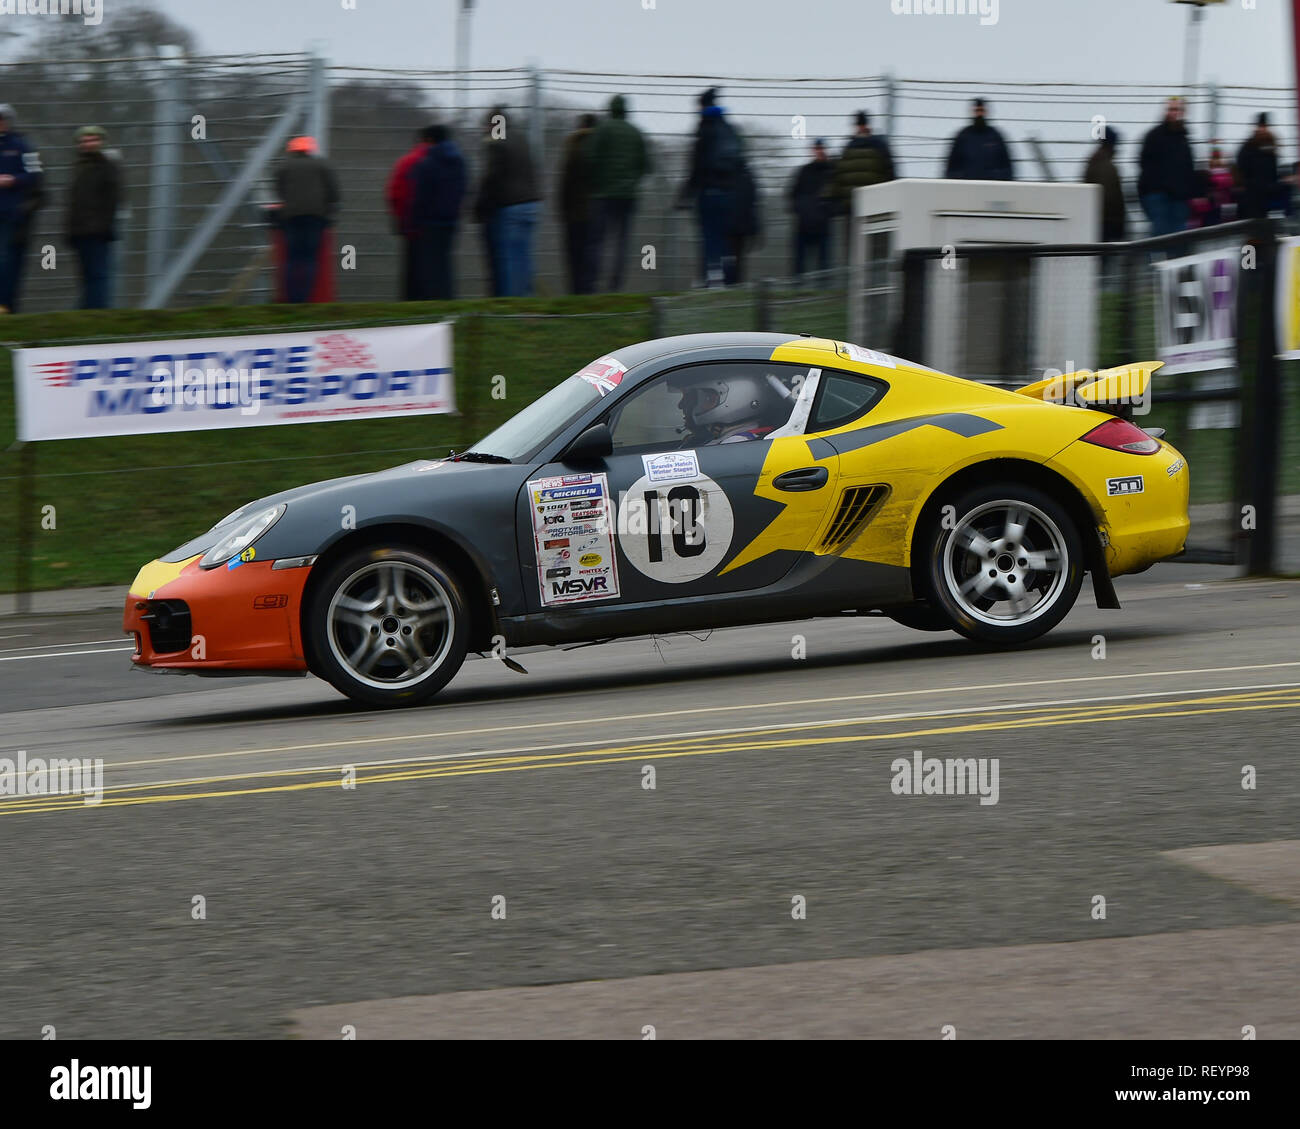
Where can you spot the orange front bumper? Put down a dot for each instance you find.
(243, 618)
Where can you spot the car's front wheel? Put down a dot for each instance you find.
(387, 626)
(1008, 564)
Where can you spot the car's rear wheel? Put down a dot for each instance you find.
(1010, 567)
(387, 626)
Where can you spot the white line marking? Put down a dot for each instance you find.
(677, 736)
(1017, 685)
(47, 646)
(64, 654)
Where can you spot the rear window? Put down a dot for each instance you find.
(842, 399)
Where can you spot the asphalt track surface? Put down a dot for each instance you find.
(628, 907)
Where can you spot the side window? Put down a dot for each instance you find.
(843, 399)
(702, 405)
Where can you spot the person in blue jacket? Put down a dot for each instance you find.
(440, 184)
(20, 170)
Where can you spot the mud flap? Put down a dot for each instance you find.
(1103, 588)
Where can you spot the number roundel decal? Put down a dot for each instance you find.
(675, 532)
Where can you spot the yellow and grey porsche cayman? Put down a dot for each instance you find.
(685, 483)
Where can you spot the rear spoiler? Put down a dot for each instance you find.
(1113, 390)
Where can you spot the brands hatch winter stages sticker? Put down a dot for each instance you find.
(573, 535)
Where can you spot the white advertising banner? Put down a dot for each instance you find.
(200, 384)
(1196, 315)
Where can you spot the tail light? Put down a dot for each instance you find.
(1120, 435)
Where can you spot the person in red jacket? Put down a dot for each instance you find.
(400, 196)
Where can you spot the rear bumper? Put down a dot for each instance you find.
(205, 621)
(1141, 526)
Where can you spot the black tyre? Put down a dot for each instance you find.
(387, 626)
(1009, 569)
(920, 617)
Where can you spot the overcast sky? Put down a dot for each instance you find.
(1080, 40)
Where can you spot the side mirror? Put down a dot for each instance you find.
(591, 446)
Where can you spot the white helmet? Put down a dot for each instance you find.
(724, 403)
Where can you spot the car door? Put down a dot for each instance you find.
(698, 502)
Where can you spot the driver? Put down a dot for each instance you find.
(732, 410)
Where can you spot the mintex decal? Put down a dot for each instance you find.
(604, 374)
(1132, 484)
(585, 525)
(671, 466)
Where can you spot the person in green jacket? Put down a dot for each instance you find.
(619, 158)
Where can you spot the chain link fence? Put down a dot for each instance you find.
(185, 130)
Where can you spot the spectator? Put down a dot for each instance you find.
(93, 200)
(866, 160)
(507, 203)
(577, 207)
(1215, 200)
(714, 185)
(811, 201)
(440, 183)
(978, 151)
(309, 199)
(1101, 170)
(400, 194)
(20, 169)
(1168, 172)
(619, 159)
(1257, 171)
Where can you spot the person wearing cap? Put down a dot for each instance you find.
(20, 176)
(1257, 171)
(719, 186)
(1167, 181)
(90, 224)
(979, 151)
(866, 160)
(810, 200)
(309, 200)
(1101, 170)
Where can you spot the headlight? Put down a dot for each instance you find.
(241, 536)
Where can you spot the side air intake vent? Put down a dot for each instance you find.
(857, 506)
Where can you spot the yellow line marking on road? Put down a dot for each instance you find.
(699, 746)
(398, 738)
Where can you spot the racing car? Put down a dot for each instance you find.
(685, 483)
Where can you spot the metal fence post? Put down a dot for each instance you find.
(656, 318)
(891, 94)
(318, 111)
(166, 161)
(469, 392)
(762, 308)
(26, 540)
(1213, 134)
(1263, 424)
(535, 125)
